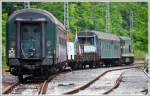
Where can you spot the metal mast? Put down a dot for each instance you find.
(94, 17)
(107, 17)
(66, 15)
(131, 27)
(27, 4)
(131, 24)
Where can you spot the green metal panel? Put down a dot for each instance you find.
(50, 31)
(50, 39)
(11, 37)
(126, 47)
(110, 49)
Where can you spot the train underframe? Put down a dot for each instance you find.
(34, 67)
(127, 60)
(80, 62)
(46, 67)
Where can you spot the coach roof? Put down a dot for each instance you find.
(125, 38)
(100, 35)
(40, 11)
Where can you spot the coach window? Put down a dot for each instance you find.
(129, 48)
(36, 31)
(59, 40)
(62, 41)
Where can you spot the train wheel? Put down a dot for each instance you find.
(20, 77)
(84, 65)
(61, 68)
(74, 66)
(97, 65)
(91, 65)
(107, 64)
(80, 66)
(117, 63)
(53, 69)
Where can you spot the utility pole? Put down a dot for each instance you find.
(27, 4)
(107, 17)
(131, 24)
(131, 27)
(66, 15)
(94, 18)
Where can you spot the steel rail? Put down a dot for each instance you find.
(83, 87)
(116, 85)
(8, 89)
(44, 86)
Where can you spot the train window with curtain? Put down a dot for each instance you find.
(85, 40)
(59, 40)
(36, 33)
(129, 48)
(25, 32)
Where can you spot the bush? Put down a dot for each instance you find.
(4, 66)
(139, 55)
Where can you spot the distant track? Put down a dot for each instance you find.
(116, 85)
(97, 78)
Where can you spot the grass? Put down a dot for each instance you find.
(145, 65)
(4, 66)
(139, 55)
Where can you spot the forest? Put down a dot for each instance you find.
(91, 16)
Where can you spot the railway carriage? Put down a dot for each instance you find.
(108, 48)
(127, 56)
(35, 43)
(96, 48)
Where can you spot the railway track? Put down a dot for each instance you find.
(37, 88)
(42, 87)
(21, 88)
(10, 87)
(117, 83)
(85, 86)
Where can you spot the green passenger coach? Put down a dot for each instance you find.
(126, 50)
(108, 47)
(97, 49)
(35, 42)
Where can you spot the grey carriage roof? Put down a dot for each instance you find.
(100, 35)
(41, 11)
(125, 38)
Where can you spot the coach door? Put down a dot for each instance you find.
(30, 38)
